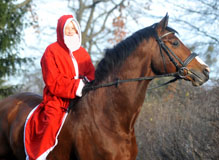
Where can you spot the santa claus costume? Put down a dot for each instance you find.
(63, 63)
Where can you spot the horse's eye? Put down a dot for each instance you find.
(175, 43)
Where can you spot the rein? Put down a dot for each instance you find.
(180, 74)
(118, 81)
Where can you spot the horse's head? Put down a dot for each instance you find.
(174, 56)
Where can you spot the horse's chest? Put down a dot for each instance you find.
(109, 148)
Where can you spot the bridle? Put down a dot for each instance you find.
(181, 73)
(182, 70)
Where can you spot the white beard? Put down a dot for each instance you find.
(72, 42)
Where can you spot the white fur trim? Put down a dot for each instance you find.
(80, 87)
(78, 28)
(75, 63)
(29, 115)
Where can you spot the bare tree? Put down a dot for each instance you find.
(98, 18)
(201, 17)
(93, 15)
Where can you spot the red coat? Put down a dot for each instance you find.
(61, 70)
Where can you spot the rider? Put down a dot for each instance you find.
(63, 64)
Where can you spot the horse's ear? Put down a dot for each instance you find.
(161, 26)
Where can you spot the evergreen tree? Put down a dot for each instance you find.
(11, 26)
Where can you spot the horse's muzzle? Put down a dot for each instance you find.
(198, 78)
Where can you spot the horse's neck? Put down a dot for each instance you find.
(125, 100)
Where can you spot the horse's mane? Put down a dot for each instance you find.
(115, 56)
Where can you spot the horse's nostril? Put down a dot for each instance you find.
(206, 71)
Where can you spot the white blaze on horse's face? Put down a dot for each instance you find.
(202, 62)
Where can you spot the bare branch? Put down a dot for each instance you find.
(199, 30)
(95, 2)
(80, 11)
(89, 20)
(106, 18)
(24, 3)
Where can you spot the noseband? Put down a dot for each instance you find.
(182, 70)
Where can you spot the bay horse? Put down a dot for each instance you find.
(100, 126)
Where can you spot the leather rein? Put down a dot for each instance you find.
(182, 71)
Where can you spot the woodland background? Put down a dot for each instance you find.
(178, 121)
